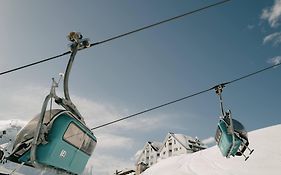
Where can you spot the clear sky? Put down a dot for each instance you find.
(146, 69)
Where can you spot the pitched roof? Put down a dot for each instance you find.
(187, 142)
(155, 145)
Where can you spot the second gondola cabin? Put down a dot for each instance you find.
(227, 141)
(67, 143)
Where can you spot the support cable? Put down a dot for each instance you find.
(160, 22)
(187, 97)
(116, 37)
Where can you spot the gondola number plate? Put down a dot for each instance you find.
(63, 153)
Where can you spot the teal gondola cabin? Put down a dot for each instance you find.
(68, 143)
(227, 142)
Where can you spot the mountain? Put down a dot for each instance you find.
(266, 159)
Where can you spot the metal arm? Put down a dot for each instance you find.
(66, 103)
(218, 90)
(38, 130)
(67, 71)
(77, 44)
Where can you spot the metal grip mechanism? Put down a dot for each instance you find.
(219, 89)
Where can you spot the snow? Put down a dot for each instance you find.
(4, 170)
(266, 159)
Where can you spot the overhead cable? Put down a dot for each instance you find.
(116, 37)
(160, 22)
(34, 63)
(187, 97)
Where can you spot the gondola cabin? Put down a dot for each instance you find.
(226, 141)
(67, 143)
(231, 138)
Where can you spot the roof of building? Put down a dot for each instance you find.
(187, 142)
(155, 145)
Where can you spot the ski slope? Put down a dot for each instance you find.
(266, 159)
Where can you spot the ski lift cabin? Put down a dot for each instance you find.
(229, 142)
(57, 139)
(67, 142)
(231, 136)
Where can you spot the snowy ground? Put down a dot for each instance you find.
(7, 171)
(265, 160)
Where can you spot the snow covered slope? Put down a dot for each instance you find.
(266, 159)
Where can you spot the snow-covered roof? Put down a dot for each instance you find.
(187, 142)
(183, 139)
(155, 145)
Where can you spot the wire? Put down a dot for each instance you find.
(151, 109)
(160, 22)
(34, 63)
(252, 74)
(116, 37)
(187, 97)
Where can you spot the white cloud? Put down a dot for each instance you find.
(144, 123)
(93, 112)
(274, 38)
(209, 141)
(272, 14)
(275, 60)
(23, 103)
(250, 26)
(6, 123)
(113, 141)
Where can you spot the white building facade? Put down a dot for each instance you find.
(173, 145)
(149, 153)
(176, 144)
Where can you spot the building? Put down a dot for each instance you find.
(125, 172)
(141, 167)
(176, 144)
(173, 145)
(150, 153)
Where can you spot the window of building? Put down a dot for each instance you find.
(164, 152)
(170, 143)
(176, 149)
(175, 142)
(158, 154)
(170, 150)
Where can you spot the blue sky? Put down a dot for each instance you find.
(146, 69)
